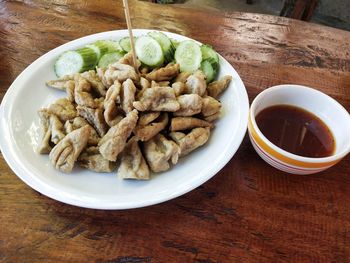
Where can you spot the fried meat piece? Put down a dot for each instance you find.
(79, 122)
(210, 106)
(112, 113)
(63, 109)
(128, 60)
(187, 143)
(186, 123)
(210, 109)
(133, 164)
(168, 72)
(146, 132)
(61, 83)
(217, 87)
(159, 84)
(117, 71)
(147, 117)
(66, 152)
(182, 77)
(94, 118)
(157, 99)
(52, 130)
(160, 152)
(196, 83)
(128, 95)
(83, 94)
(179, 88)
(95, 82)
(56, 127)
(115, 139)
(190, 104)
(44, 146)
(92, 159)
(144, 84)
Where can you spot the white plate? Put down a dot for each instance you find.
(19, 130)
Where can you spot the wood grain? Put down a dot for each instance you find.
(249, 212)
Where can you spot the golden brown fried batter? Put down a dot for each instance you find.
(217, 87)
(66, 83)
(157, 99)
(94, 117)
(115, 139)
(66, 152)
(63, 109)
(182, 77)
(128, 60)
(112, 113)
(117, 71)
(160, 152)
(83, 94)
(186, 123)
(210, 109)
(132, 164)
(79, 122)
(179, 88)
(196, 138)
(128, 95)
(95, 82)
(169, 72)
(146, 132)
(91, 159)
(196, 83)
(147, 117)
(160, 84)
(44, 146)
(190, 104)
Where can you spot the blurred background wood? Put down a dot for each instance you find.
(249, 212)
(299, 9)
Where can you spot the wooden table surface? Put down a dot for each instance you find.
(248, 212)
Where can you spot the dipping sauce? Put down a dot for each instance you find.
(296, 130)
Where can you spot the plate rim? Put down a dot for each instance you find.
(20, 170)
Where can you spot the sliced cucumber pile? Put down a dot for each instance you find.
(112, 46)
(75, 61)
(154, 50)
(149, 51)
(188, 54)
(125, 44)
(208, 53)
(166, 45)
(208, 70)
(110, 58)
(174, 42)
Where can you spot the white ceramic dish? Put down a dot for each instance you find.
(19, 129)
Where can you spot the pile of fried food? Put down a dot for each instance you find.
(141, 121)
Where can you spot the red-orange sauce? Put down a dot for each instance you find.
(296, 130)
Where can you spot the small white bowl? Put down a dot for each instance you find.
(326, 108)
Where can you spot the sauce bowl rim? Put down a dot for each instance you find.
(333, 157)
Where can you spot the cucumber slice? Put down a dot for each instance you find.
(75, 61)
(110, 58)
(188, 54)
(112, 46)
(100, 48)
(208, 53)
(165, 43)
(174, 42)
(125, 44)
(208, 70)
(149, 52)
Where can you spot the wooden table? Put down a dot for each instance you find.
(249, 212)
